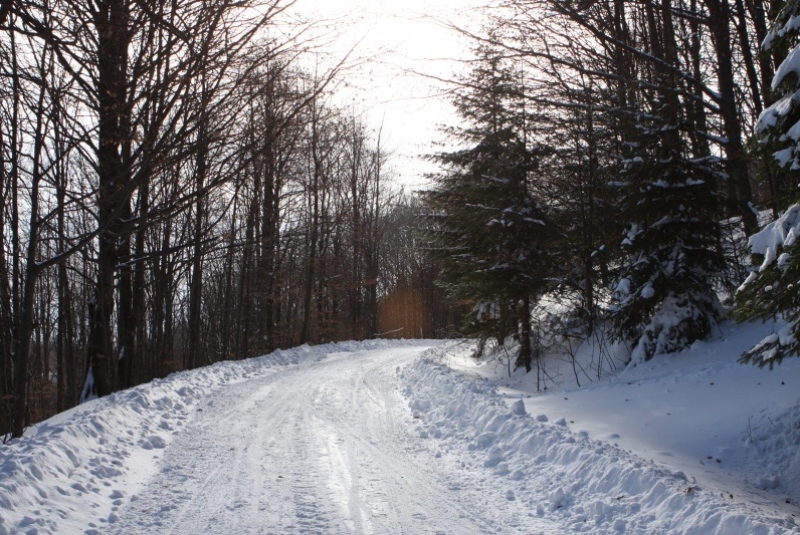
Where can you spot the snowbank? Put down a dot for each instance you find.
(585, 485)
(80, 464)
(494, 440)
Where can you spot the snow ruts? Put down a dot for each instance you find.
(323, 448)
(355, 438)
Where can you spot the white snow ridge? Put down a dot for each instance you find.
(574, 483)
(373, 437)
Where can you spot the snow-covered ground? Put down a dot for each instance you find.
(416, 437)
(699, 411)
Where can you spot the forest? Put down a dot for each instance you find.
(179, 187)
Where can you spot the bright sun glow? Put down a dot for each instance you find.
(401, 48)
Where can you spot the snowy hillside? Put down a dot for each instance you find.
(686, 443)
(417, 437)
(697, 411)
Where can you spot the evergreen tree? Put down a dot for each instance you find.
(491, 232)
(576, 177)
(665, 296)
(777, 129)
(770, 290)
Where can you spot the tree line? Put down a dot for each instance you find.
(610, 169)
(178, 188)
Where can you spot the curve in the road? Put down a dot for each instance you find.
(323, 448)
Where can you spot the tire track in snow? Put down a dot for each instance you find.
(378, 441)
(227, 453)
(324, 448)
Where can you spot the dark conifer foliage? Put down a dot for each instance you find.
(638, 108)
(492, 233)
(771, 288)
(665, 297)
(578, 176)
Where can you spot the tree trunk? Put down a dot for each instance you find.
(66, 340)
(6, 315)
(740, 192)
(196, 283)
(525, 357)
(313, 229)
(111, 24)
(22, 353)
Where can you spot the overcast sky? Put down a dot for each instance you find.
(395, 38)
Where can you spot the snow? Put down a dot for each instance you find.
(631, 234)
(784, 337)
(776, 236)
(623, 287)
(783, 106)
(789, 65)
(750, 278)
(418, 437)
(692, 419)
(791, 25)
(772, 115)
(648, 291)
(77, 471)
(794, 131)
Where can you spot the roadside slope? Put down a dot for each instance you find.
(568, 477)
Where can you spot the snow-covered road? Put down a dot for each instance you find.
(353, 438)
(323, 448)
